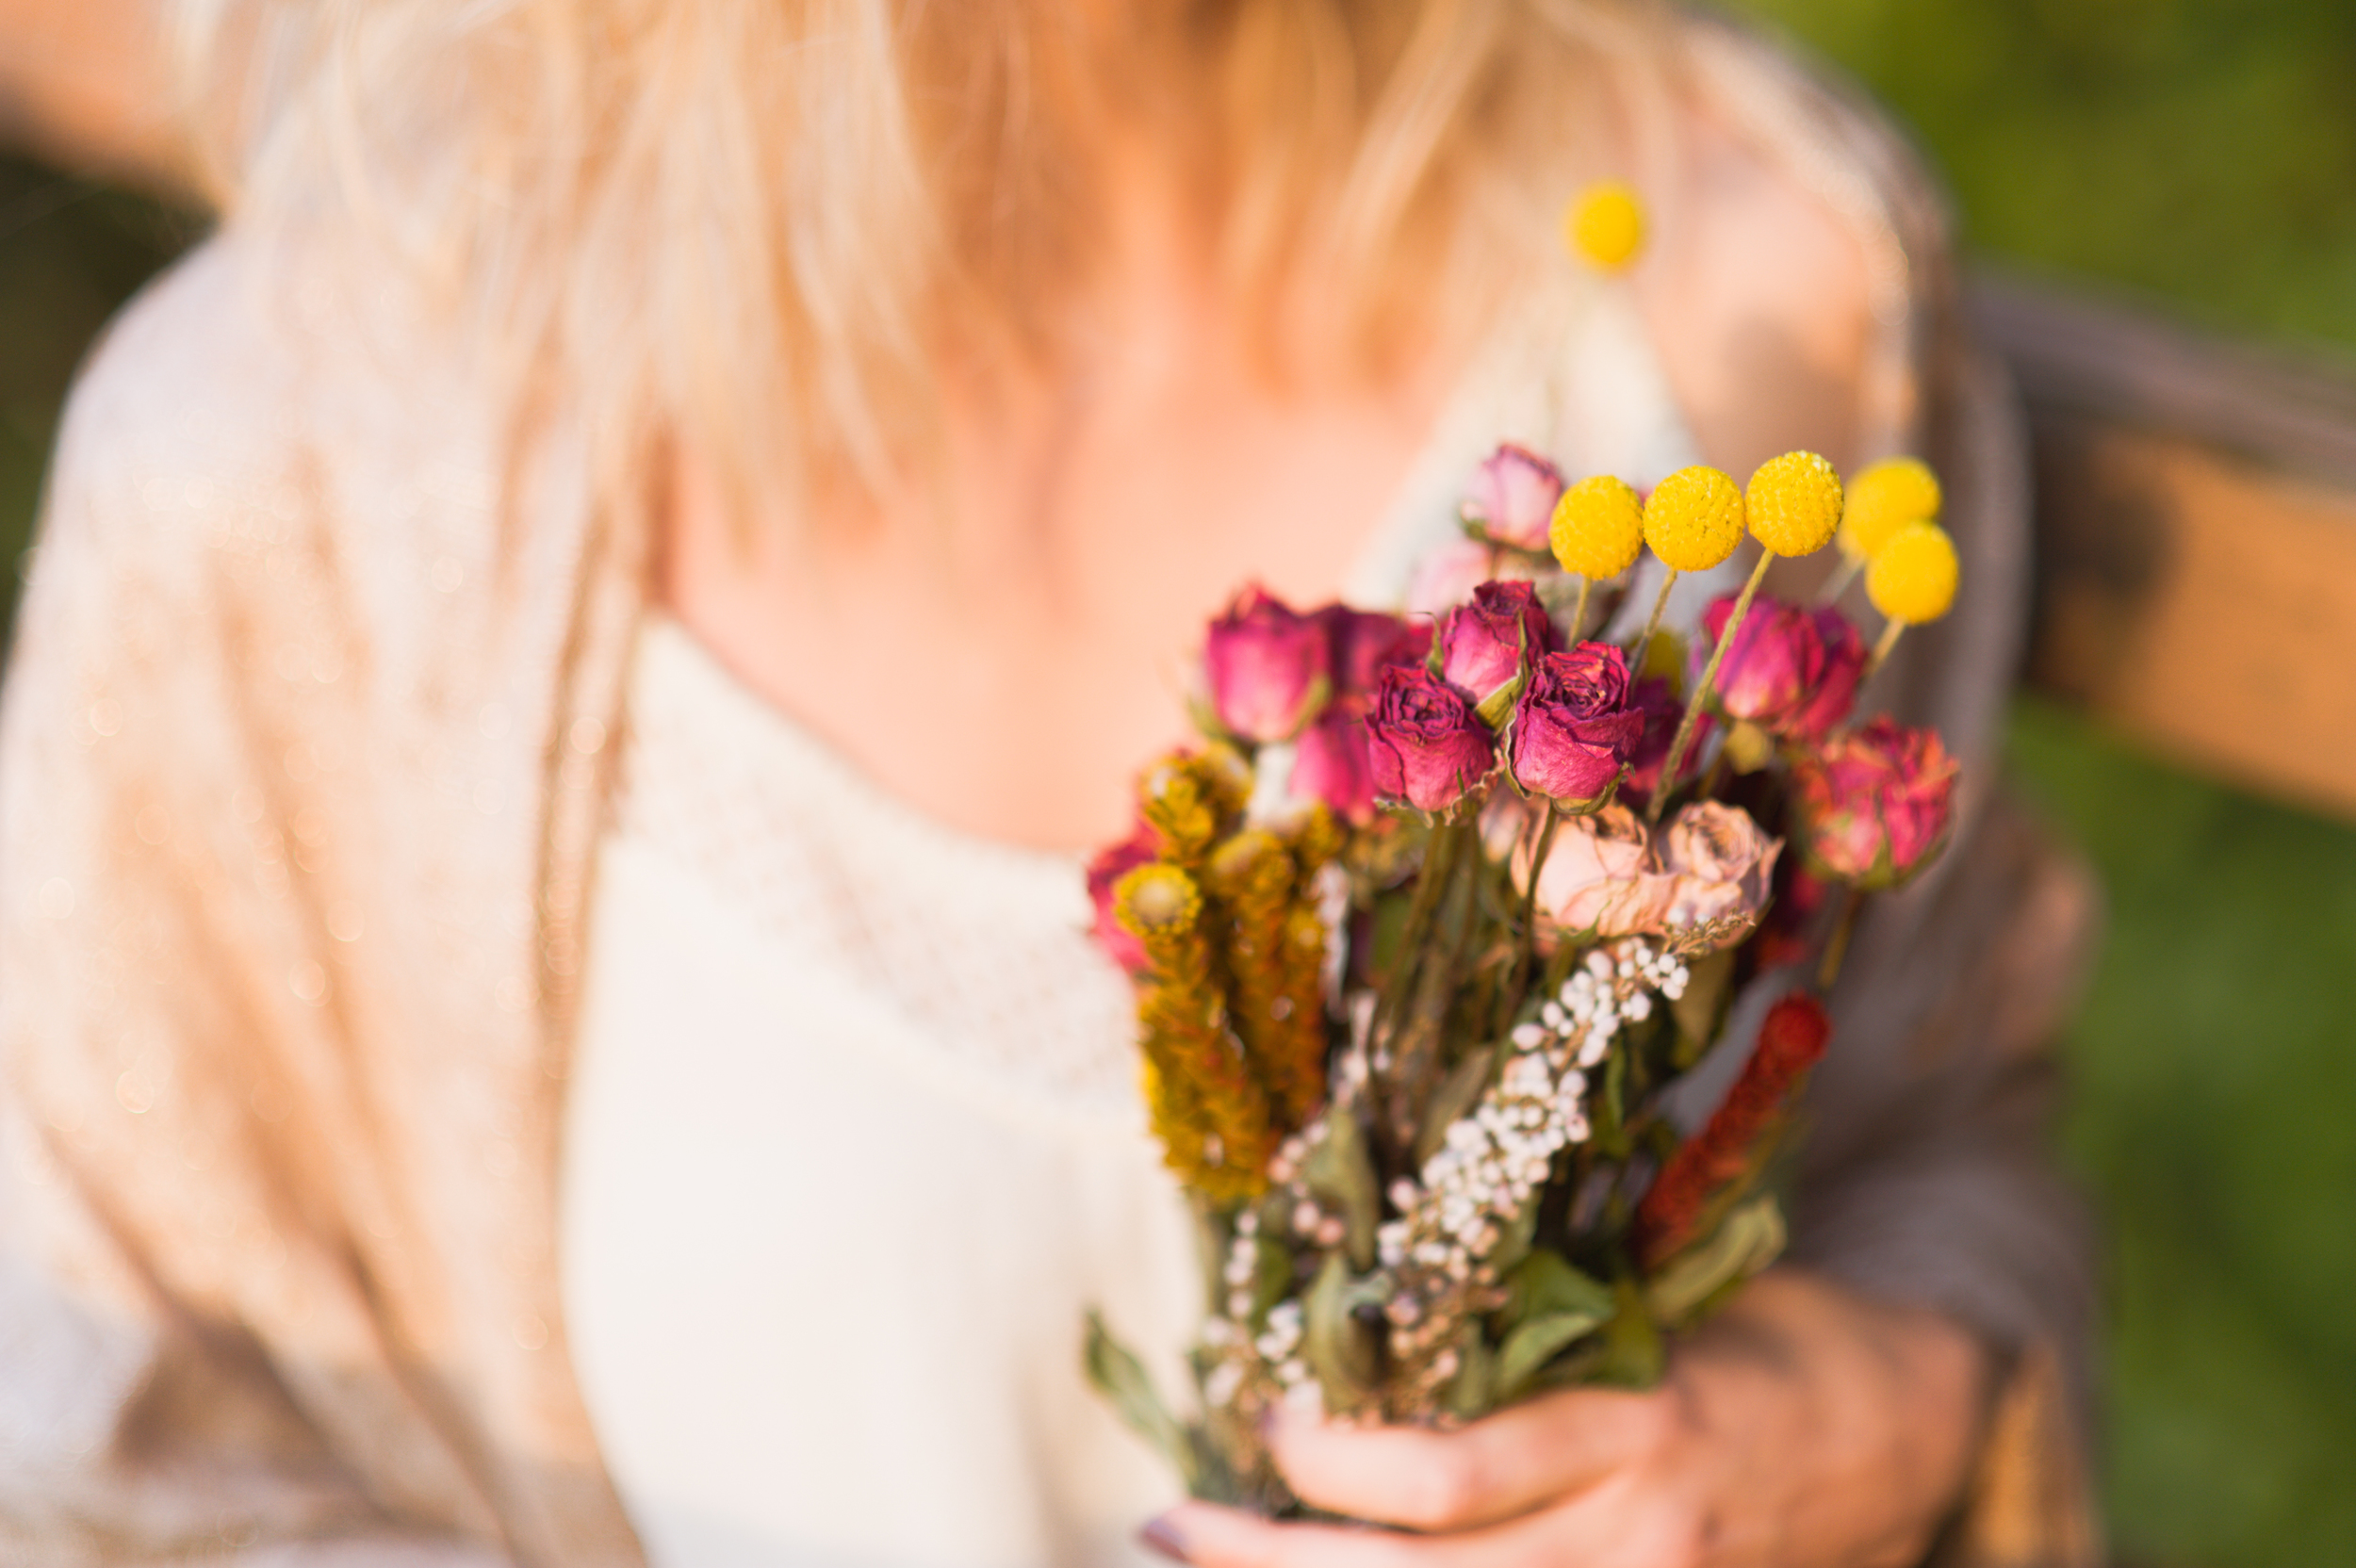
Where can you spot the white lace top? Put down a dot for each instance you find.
(853, 1137)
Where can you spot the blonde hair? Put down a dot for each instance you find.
(766, 221)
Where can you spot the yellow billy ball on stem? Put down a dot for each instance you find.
(1793, 508)
(1912, 581)
(1598, 531)
(1693, 522)
(1883, 497)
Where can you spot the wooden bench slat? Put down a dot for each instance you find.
(2196, 541)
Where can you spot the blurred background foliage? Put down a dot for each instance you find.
(2197, 152)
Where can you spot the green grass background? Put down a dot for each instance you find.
(2203, 154)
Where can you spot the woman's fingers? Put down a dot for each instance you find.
(1496, 1469)
(1621, 1524)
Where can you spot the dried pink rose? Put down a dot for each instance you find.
(1111, 865)
(1445, 576)
(1572, 727)
(1362, 644)
(1484, 645)
(1599, 876)
(1331, 763)
(1513, 496)
(1877, 802)
(1791, 669)
(1723, 865)
(1425, 743)
(1662, 709)
(1269, 667)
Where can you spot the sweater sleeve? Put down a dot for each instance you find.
(142, 1417)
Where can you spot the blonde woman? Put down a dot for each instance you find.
(577, 646)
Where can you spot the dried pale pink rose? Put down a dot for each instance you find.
(1599, 876)
(1445, 576)
(1513, 496)
(1722, 863)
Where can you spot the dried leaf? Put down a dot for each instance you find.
(1121, 1378)
(1338, 1347)
(1340, 1169)
(1459, 1092)
(1750, 1238)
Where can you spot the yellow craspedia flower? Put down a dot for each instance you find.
(1883, 499)
(1598, 527)
(1795, 504)
(1695, 518)
(1605, 226)
(1912, 578)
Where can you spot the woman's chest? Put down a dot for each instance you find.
(1003, 643)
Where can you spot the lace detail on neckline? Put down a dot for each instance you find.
(982, 947)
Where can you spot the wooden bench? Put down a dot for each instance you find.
(2196, 540)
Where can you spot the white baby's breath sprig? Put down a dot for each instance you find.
(1495, 1159)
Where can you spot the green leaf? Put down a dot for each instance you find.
(1472, 1393)
(1546, 1284)
(1338, 1347)
(1499, 703)
(1699, 1009)
(1537, 1341)
(1750, 1238)
(1341, 1170)
(1121, 1378)
(1633, 1355)
(1459, 1092)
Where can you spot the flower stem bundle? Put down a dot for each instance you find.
(1429, 932)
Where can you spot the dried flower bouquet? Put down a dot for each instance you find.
(1429, 930)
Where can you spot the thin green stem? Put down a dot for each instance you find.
(1652, 624)
(1578, 613)
(1881, 650)
(1841, 581)
(1509, 999)
(1701, 690)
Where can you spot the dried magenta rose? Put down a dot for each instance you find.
(1331, 763)
(1484, 645)
(1269, 667)
(1573, 727)
(1654, 697)
(1791, 669)
(1362, 644)
(1877, 803)
(1425, 745)
(1111, 865)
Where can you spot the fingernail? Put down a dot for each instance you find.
(1161, 1536)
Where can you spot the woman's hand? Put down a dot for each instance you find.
(1803, 1428)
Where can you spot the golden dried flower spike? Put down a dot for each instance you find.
(1794, 509)
(1912, 581)
(1598, 531)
